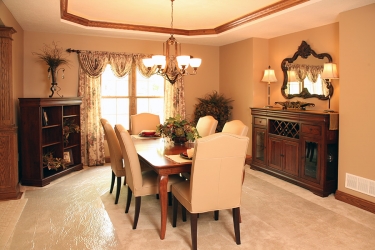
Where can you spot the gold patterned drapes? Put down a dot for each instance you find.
(174, 99)
(91, 65)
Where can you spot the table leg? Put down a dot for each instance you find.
(163, 197)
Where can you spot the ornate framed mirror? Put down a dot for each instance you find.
(302, 74)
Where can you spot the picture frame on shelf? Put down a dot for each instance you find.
(44, 118)
(68, 157)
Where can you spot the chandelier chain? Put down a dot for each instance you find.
(172, 18)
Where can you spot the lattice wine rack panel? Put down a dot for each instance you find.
(284, 128)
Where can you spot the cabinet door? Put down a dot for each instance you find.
(275, 153)
(311, 159)
(259, 146)
(291, 157)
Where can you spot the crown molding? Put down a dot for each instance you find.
(263, 12)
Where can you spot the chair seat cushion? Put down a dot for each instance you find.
(150, 183)
(182, 192)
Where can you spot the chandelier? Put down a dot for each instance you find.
(172, 65)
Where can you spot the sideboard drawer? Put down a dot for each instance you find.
(311, 129)
(260, 121)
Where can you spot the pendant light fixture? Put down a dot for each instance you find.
(172, 65)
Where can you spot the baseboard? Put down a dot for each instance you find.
(355, 201)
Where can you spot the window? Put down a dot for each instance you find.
(128, 95)
(313, 87)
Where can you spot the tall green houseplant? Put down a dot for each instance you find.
(216, 105)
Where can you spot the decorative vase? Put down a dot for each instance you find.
(179, 140)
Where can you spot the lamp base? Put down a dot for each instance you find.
(268, 106)
(329, 111)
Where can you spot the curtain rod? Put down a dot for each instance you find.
(73, 50)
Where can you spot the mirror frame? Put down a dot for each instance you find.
(304, 51)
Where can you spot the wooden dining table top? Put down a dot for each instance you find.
(153, 151)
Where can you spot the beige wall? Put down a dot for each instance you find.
(17, 53)
(357, 107)
(36, 83)
(241, 69)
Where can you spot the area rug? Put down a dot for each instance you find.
(10, 212)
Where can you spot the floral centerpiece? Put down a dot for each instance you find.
(178, 130)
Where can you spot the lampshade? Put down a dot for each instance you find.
(269, 75)
(158, 60)
(292, 76)
(148, 62)
(195, 62)
(183, 61)
(330, 71)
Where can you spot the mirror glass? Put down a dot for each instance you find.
(302, 74)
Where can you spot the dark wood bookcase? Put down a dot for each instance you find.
(41, 132)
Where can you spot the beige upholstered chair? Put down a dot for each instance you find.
(206, 125)
(143, 121)
(216, 179)
(236, 127)
(117, 166)
(139, 183)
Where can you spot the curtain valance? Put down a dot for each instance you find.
(93, 63)
(303, 70)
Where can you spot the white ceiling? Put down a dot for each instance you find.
(44, 16)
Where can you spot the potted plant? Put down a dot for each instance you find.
(178, 130)
(53, 162)
(69, 127)
(215, 105)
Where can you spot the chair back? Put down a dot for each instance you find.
(143, 121)
(114, 148)
(206, 125)
(131, 161)
(217, 172)
(236, 127)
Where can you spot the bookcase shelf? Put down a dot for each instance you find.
(41, 132)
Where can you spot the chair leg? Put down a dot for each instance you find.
(174, 209)
(170, 198)
(193, 225)
(236, 223)
(183, 213)
(118, 189)
(128, 200)
(216, 214)
(112, 182)
(137, 209)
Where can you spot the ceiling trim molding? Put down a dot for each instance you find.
(263, 12)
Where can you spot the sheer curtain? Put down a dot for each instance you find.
(91, 65)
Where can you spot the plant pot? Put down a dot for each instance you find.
(179, 140)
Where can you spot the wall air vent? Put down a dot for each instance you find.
(360, 184)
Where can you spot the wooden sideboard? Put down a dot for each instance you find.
(298, 146)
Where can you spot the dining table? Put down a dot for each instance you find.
(153, 152)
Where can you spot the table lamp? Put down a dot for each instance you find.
(269, 76)
(329, 72)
